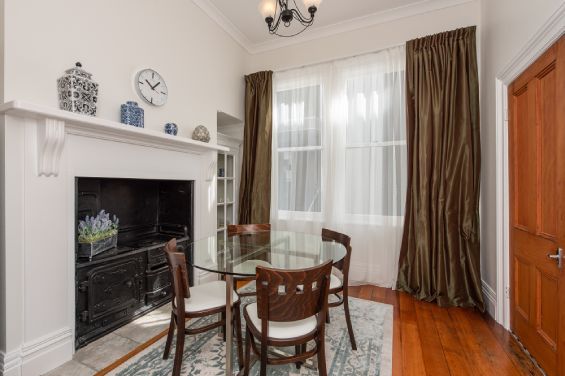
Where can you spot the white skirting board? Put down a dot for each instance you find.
(42, 354)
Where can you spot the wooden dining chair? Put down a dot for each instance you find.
(341, 285)
(290, 310)
(200, 301)
(248, 229)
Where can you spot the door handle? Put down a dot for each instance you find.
(558, 257)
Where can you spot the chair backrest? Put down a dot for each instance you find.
(242, 229)
(179, 273)
(343, 265)
(285, 295)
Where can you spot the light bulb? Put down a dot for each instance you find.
(312, 3)
(267, 8)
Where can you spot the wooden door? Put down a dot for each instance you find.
(537, 208)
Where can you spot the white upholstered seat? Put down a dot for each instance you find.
(282, 330)
(207, 296)
(335, 282)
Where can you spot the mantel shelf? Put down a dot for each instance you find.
(88, 126)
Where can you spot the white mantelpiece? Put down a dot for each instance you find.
(43, 151)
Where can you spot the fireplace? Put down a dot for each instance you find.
(45, 150)
(120, 284)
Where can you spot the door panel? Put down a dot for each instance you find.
(525, 166)
(547, 320)
(522, 289)
(548, 224)
(537, 212)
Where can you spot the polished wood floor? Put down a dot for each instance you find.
(429, 340)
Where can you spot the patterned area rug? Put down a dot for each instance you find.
(204, 353)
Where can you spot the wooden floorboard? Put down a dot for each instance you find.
(430, 340)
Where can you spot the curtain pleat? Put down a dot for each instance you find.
(255, 186)
(440, 252)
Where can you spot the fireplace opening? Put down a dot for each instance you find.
(131, 277)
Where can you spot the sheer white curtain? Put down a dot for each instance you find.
(339, 156)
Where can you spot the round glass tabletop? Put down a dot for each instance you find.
(241, 254)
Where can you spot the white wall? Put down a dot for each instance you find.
(507, 26)
(366, 40)
(201, 64)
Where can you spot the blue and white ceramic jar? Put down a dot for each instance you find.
(77, 91)
(132, 114)
(171, 128)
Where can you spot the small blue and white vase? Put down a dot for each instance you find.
(171, 128)
(132, 114)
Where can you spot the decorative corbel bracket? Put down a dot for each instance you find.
(50, 142)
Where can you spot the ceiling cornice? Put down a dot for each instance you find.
(421, 7)
(217, 16)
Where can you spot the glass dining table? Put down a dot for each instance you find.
(239, 255)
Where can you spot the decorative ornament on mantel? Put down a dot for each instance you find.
(77, 91)
(132, 114)
(277, 12)
(201, 134)
(171, 128)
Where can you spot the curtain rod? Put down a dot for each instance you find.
(338, 59)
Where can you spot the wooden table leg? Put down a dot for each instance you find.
(229, 326)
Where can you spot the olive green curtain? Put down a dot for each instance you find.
(255, 186)
(440, 252)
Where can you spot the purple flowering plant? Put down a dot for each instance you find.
(92, 229)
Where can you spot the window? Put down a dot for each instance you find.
(299, 148)
(339, 142)
(339, 156)
(375, 144)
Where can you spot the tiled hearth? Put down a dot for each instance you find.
(103, 352)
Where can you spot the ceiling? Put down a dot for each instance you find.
(241, 18)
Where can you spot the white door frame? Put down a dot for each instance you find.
(549, 33)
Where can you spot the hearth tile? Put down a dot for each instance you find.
(71, 368)
(104, 351)
(146, 327)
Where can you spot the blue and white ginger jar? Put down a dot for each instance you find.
(77, 91)
(132, 114)
(171, 128)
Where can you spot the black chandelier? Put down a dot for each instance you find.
(284, 14)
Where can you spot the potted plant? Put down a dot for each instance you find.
(97, 234)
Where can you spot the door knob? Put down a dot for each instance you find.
(558, 257)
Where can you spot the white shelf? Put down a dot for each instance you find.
(225, 203)
(107, 129)
(227, 188)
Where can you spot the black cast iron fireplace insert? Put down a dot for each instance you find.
(132, 279)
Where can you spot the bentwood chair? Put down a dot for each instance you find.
(341, 285)
(290, 310)
(200, 301)
(248, 229)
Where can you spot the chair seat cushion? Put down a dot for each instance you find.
(207, 296)
(335, 282)
(282, 330)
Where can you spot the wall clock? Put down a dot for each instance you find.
(152, 87)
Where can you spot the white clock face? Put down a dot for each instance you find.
(152, 87)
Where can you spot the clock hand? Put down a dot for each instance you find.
(158, 83)
(148, 83)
